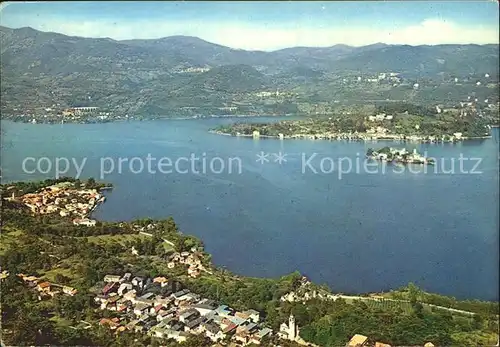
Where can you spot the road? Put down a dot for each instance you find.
(362, 298)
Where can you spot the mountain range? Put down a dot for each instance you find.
(71, 69)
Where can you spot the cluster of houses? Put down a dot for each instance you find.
(74, 111)
(377, 131)
(304, 296)
(380, 117)
(387, 77)
(65, 200)
(306, 291)
(162, 308)
(46, 289)
(192, 69)
(191, 259)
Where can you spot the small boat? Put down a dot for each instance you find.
(106, 188)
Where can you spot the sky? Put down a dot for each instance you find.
(267, 25)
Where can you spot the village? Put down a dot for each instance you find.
(65, 200)
(256, 103)
(165, 309)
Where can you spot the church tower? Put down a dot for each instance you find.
(292, 328)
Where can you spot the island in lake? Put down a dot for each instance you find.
(399, 155)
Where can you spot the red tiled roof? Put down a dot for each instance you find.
(44, 285)
(108, 287)
(230, 328)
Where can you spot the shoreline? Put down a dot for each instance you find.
(215, 267)
(351, 137)
(40, 120)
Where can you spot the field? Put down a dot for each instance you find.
(390, 305)
(122, 239)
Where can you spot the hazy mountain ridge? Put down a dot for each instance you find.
(185, 70)
(20, 46)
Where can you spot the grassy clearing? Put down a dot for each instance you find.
(51, 274)
(168, 247)
(60, 322)
(121, 238)
(68, 268)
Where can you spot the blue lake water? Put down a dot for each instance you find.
(358, 232)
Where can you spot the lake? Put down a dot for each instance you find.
(359, 231)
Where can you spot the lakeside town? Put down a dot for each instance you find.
(94, 114)
(162, 307)
(65, 200)
(478, 98)
(422, 125)
(378, 134)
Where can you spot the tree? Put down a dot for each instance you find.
(414, 293)
(180, 244)
(197, 341)
(91, 183)
(477, 321)
(61, 279)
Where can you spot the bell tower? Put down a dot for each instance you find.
(292, 328)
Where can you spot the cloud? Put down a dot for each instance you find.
(271, 36)
(438, 31)
(428, 32)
